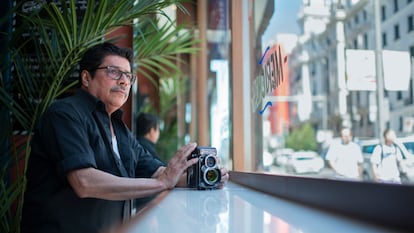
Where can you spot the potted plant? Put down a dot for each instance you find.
(164, 44)
(43, 66)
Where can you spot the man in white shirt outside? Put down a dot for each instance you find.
(385, 159)
(345, 157)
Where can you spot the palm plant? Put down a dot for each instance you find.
(159, 46)
(159, 56)
(169, 89)
(43, 66)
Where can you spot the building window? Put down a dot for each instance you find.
(364, 15)
(356, 19)
(396, 32)
(384, 39)
(365, 41)
(355, 44)
(395, 5)
(411, 81)
(387, 124)
(412, 52)
(410, 23)
(399, 95)
(411, 92)
(313, 69)
(383, 13)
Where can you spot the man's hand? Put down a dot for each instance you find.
(177, 166)
(224, 177)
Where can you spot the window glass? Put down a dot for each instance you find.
(318, 108)
(395, 5)
(410, 22)
(397, 32)
(218, 84)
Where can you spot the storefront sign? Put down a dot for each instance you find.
(361, 70)
(273, 73)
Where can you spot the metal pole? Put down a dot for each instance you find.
(412, 79)
(380, 126)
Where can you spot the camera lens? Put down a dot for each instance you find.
(211, 176)
(210, 161)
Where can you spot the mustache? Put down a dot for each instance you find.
(118, 88)
(121, 89)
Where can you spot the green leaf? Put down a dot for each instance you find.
(44, 65)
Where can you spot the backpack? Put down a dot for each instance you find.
(402, 167)
(395, 147)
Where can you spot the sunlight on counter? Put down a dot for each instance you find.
(236, 209)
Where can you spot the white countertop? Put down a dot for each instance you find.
(237, 209)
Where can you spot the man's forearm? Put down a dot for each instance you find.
(360, 170)
(90, 182)
(181, 183)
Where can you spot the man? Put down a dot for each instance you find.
(385, 159)
(85, 165)
(345, 157)
(148, 132)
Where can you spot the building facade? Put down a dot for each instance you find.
(321, 57)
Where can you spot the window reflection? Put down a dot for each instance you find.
(332, 84)
(218, 84)
(219, 112)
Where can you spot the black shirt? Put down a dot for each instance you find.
(75, 133)
(149, 146)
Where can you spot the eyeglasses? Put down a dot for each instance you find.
(115, 73)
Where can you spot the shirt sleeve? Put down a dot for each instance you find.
(358, 152)
(66, 142)
(399, 155)
(331, 154)
(376, 155)
(147, 164)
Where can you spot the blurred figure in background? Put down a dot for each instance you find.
(385, 159)
(345, 157)
(148, 133)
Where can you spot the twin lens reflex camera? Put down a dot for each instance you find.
(205, 174)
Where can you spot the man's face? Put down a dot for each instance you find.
(113, 93)
(346, 136)
(390, 136)
(154, 134)
(157, 134)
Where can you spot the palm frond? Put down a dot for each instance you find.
(159, 51)
(44, 65)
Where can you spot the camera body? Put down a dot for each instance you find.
(205, 174)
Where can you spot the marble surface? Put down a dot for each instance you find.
(237, 209)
